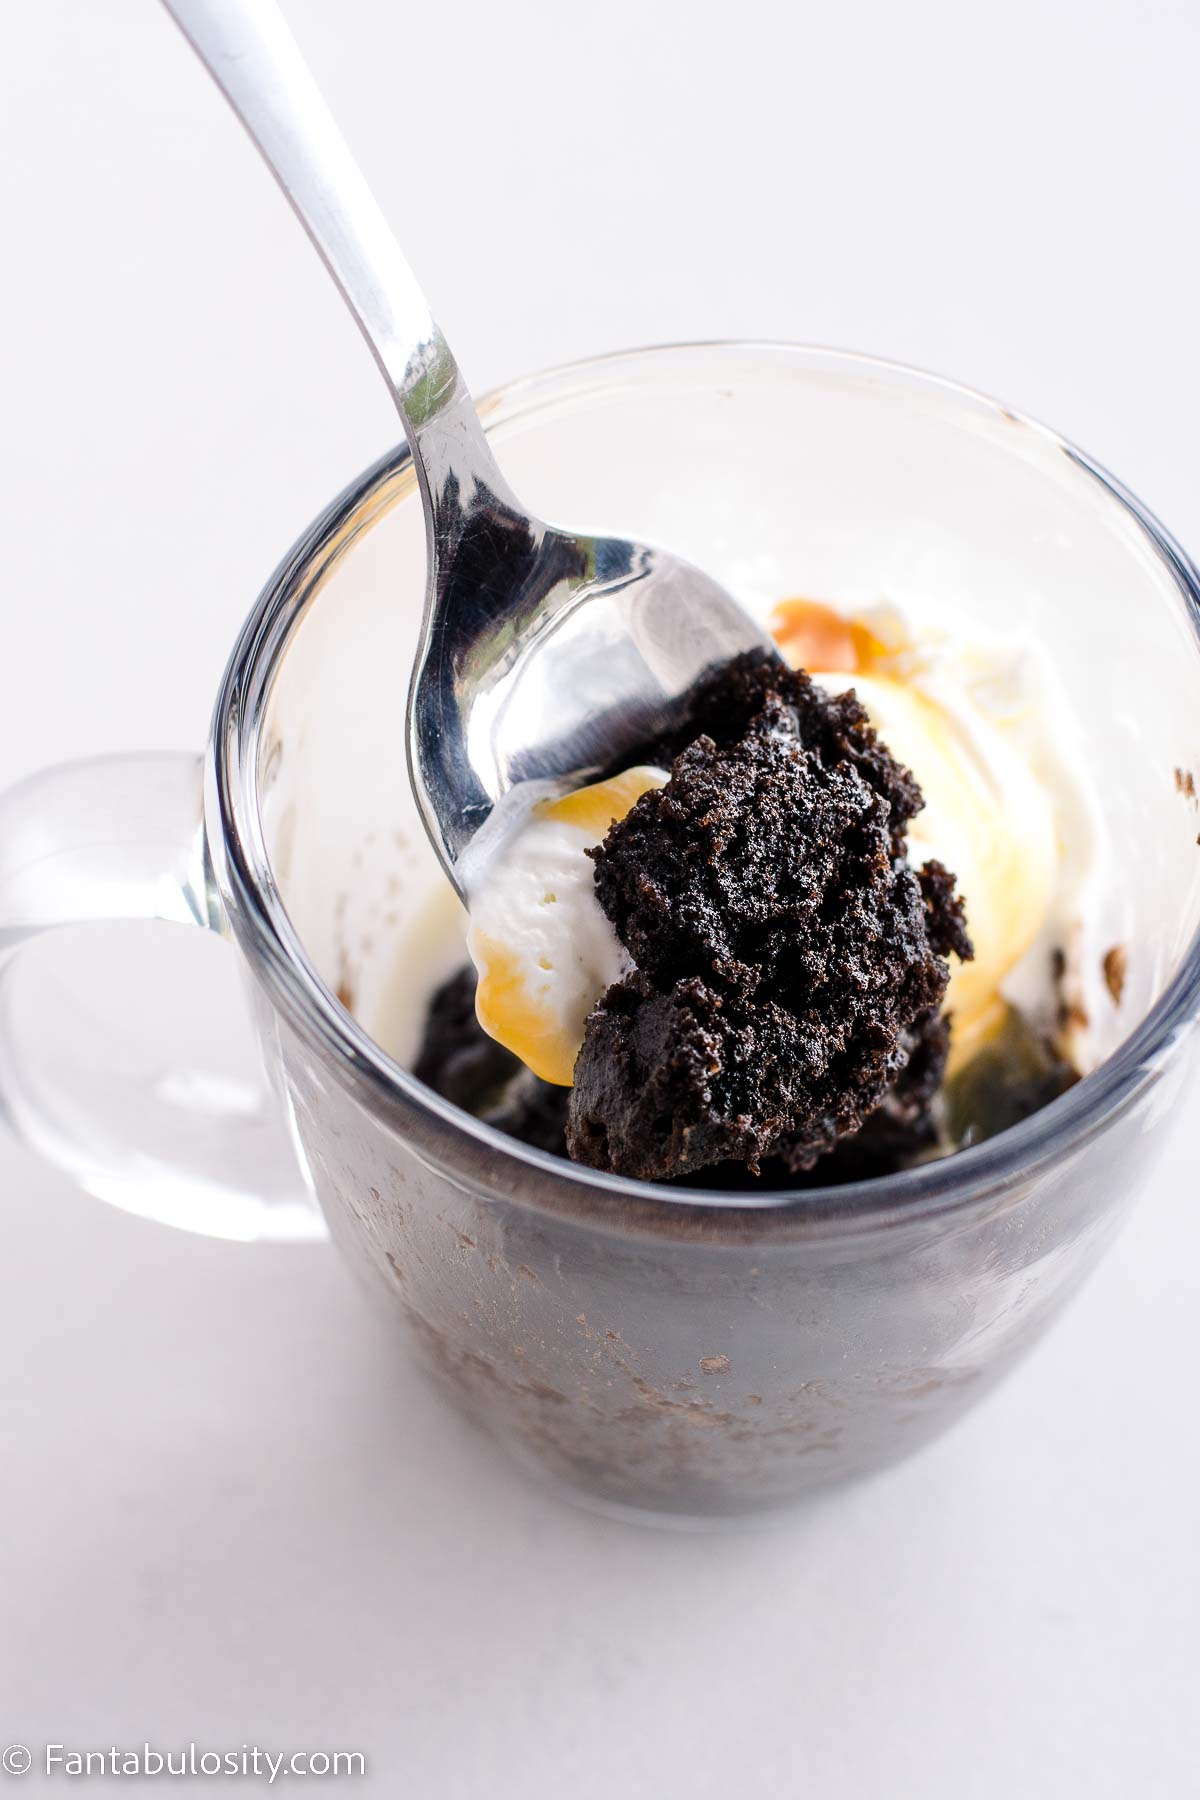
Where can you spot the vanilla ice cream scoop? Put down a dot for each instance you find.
(543, 949)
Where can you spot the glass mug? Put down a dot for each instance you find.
(653, 1352)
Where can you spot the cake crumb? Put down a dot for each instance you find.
(714, 1365)
(1185, 783)
(1116, 967)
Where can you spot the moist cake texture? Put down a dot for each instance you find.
(785, 955)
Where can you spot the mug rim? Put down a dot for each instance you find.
(237, 847)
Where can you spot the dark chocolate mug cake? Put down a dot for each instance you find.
(731, 964)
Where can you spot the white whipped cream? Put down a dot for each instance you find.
(544, 950)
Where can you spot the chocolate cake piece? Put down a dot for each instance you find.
(461, 1062)
(722, 704)
(784, 951)
(904, 1127)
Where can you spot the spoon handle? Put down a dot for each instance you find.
(251, 55)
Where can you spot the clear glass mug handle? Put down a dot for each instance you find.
(122, 838)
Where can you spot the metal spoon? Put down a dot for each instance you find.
(544, 653)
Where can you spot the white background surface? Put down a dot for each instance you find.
(225, 1512)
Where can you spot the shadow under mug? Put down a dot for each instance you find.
(656, 1353)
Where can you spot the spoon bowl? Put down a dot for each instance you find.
(548, 659)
